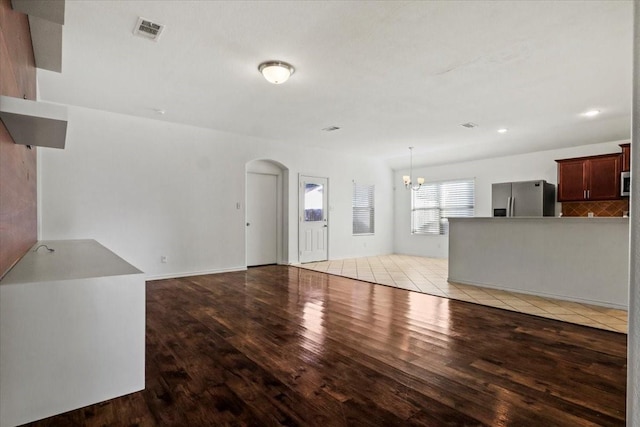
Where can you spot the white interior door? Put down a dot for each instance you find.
(314, 227)
(262, 219)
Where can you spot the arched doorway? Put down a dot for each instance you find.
(266, 213)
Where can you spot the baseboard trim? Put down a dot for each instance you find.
(540, 294)
(193, 273)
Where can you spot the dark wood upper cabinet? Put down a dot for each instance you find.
(626, 157)
(589, 178)
(572, 177)
(604, 178)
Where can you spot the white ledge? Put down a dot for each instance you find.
(34, 123)
(71, 259)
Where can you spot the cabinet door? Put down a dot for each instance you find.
(626, 157)
(604, 178)
(571, 180)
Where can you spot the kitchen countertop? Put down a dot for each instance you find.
(581, 219)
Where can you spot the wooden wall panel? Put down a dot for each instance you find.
(18, 191)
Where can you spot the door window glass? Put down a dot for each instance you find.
(313, 202)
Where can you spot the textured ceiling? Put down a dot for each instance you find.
(389, 74)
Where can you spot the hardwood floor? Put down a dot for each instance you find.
(431, 276)
(285, 346)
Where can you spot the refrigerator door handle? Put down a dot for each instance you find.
(513, 202)
(508, 206)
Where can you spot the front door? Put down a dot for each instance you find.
(262, 219)
(313, 228)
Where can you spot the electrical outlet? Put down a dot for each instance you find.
(163, 259)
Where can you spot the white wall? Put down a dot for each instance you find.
(633, 371)
(523, 167)
(146, 188)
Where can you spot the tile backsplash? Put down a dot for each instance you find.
(601, 208)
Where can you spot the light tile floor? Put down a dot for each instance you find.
(429, 275)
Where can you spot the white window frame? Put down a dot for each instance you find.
(442, 205)
(363, 207)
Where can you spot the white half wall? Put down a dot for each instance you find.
(546, 256)
(523, 167)
(72, 330)
(147, 188)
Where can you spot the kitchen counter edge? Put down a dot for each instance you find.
(565, 219)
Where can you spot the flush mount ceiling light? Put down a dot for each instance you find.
(591, 113)
(406, 179)
(276, 72)
(503, 130)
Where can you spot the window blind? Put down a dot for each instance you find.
(434, 202)
(363, 209)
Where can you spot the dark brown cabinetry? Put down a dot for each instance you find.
(626, 157)
(571, 177)
(589, 178)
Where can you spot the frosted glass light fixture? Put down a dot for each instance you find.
(407, 179)
(276, 72)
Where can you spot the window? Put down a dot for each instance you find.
(363, 209)
(434, 202)
(313, 202)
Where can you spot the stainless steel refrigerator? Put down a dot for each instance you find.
(526, 198)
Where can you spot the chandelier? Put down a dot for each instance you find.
(407, 179)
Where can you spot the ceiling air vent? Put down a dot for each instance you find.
(147, 29)
(469, 125)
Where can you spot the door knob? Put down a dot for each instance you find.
(248, 224)
(325, 225)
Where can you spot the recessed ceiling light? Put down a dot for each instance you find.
(591, 113)
(503, 130)
(159, 111)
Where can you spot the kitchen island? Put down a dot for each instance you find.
(570, 258)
